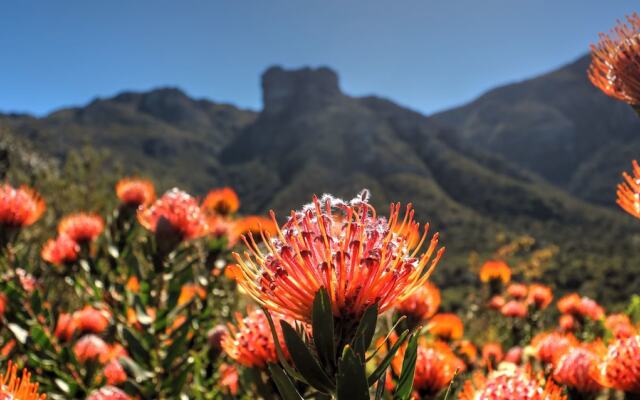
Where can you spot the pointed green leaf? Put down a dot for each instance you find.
(322, 325)
(380, 386)
(365, 331)
(352, 380)
(283, 360)
(405, 382)
(384, 364)
(284, 384)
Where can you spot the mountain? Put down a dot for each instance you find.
(558, 126)
(310, 138)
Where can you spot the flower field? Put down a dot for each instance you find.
(170, 296)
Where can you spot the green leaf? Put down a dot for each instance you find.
(384, 364)
(284, 384)
(40, 338)
(352, 380)
(380, 387)
(135, 370)
(405, 382)
(304, 361)
(283, 360)
(134, 345)
(322, 325)
(365, 331)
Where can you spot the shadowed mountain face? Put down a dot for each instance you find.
(459, 174)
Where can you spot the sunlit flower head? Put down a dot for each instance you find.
(517, 383)
(492, 354)
(615, 65)
(582, 307)
(629, 191)
(135, 192)
(60, 251)
(422, 304)
(229, 377)
(578, 367)
(446, 326)
(620, 325)
(174, 214)
(90, 348)
(14, 388)
(621, 365)
(222, 201)
(108, 393)
(90, 319)
(249, 342)
(495, 270)
(496, 302)
(19, 207)
(514, 309)
(540, 296)
(65, 327)
(567, 323)
(359, 258)
(114, 373)
(466, 350)
(547, 346)
(517, 291)
(252, 224)
(81, 227)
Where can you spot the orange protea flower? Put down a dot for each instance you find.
(446, 326)
(135, 192)
(222, 201)
(548, 345)
(61, 250)
(621, 365)
(578, 367)
(360, 259)
(492, 354)
(108, 393)
(250, 342)
(569, 304)
(518, 291)
(175, 214)
(577, 306)
(14, 388)
(495, 270)
(615, 65)
(514, 309)
(512, 384)
(114, 373)
(629, 191)
(81, 227)
(422, 304)
(252, 224)
(567, 323)
(19, 207)
(496, 302)
(91, 319)
(514, 355)
(65, 327)
(90, 348)
(540, 296)
(229, 378)
(189, 291)
(620, 325)
(466, 350)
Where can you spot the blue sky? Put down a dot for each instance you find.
(425, 54)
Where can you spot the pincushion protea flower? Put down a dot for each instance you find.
(496, 302)
(65, 327)
(19, 207)
(60, 251)
(615, 66)
(81, 227)
(492, 354)
(222, 201)
(250, 342)
(517, 383)
(90, 348)
(90, 319)
(549, 345)
(629, 191)
(229, 378)
(540, 296)
(620, 325)
(422, 304)
(514, 309)
(621, 365)
(517, 291)
(114, 373)
(359, 258)
(108, 393)
(582, 307)
(578, 367)
(135, 192)
(446, 326)
(251, 224)
(495, 270)
(14, 388)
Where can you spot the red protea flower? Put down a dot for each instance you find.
(14, 388)
(620, 325)
(422, 304)
(250, 342)
(358, 257)
(569, 304)
(174, 217)
(114, 373)
(222, 201)
(549, 345)
(108, 393)
(252, 224)
(229, 378)
(189, 291)
(621, 365)
(492, 354)
(60, 251)
(446, 326)
(540, 296)
(495, 270)
(81, 227)
(65, 327)
(511, 384)
(615, 66)
(629, 191)
(518, 291)
(514, 309)
(496, 302)
(582, 307)
(90, 348)
(19, 207)
(590, 309)
(514, 355)
(578, 367)
(135, 192)
(567, 323)
(91, 319)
